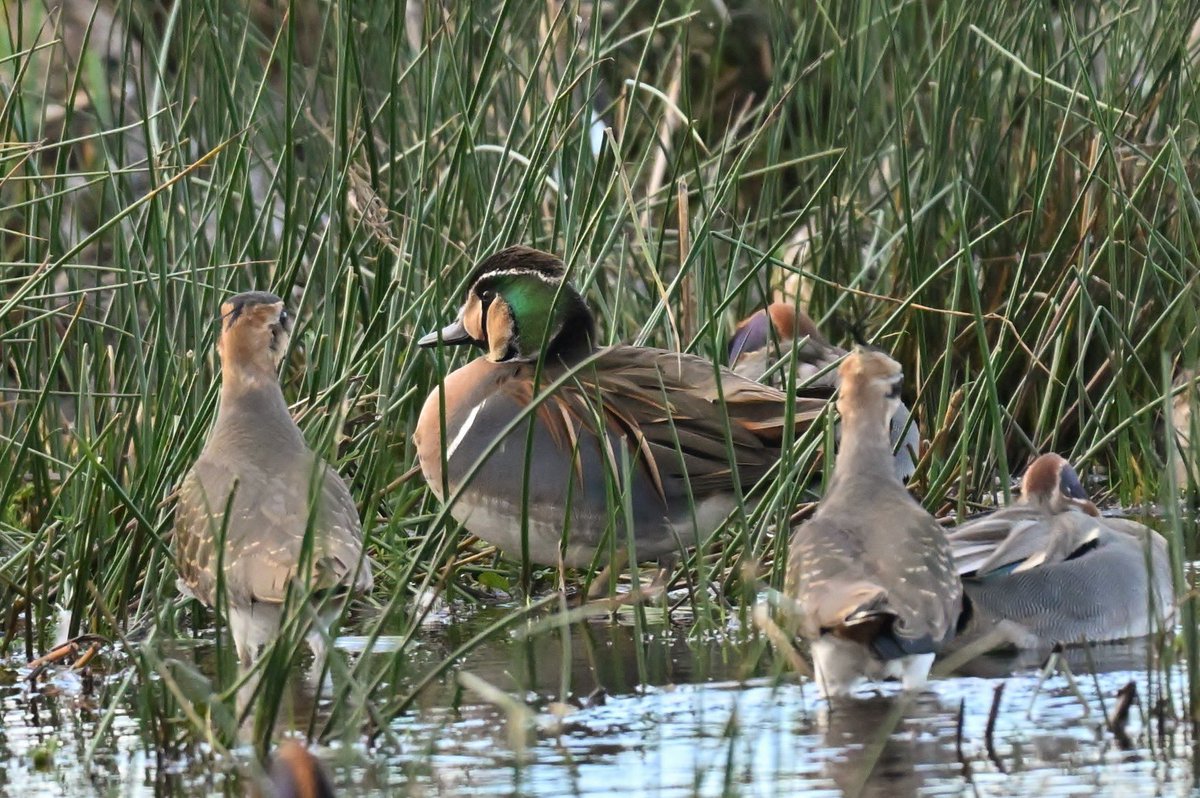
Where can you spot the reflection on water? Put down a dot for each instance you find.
(600, 710)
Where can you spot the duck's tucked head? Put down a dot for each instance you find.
(255, 329)
(779, 321)
(870, 386)
(518, 307)
(1051, 482)
(296, 773)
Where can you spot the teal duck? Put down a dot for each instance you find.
(625, 439)
(870, 576)
(1050, 569)
(255, 482)
(767, 336)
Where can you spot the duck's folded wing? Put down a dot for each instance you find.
(1134, 529)
(839, 591)
(1010, 544)
(677, 417)
(892, 624)
(280, 554)
(696, 375)
(196, 528)
(342, 527)
(826, 580)
(974, 543)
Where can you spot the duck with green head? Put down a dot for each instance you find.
(630, 439)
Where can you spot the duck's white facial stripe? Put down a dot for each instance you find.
(464, 429)
(545, 278)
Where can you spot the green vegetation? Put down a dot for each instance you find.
(1000, 194)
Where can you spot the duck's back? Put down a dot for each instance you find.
(636, 422)
(895, 565)
(1064, 578)
(269, 500)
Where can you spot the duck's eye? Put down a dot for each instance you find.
(283, 318)
(487, 295)
(894, 391)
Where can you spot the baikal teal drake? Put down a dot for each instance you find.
(624, 446)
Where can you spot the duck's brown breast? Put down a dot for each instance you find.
(464, 389)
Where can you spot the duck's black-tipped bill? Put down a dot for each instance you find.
(453, 334)
(1070, 484)
(752, 335)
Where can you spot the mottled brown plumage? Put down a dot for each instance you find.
(257, 464)
(870, 573)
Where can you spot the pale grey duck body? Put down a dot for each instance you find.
(1050, 569)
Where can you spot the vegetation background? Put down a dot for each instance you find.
(1002, 194)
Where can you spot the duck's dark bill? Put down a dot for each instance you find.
(451, 335)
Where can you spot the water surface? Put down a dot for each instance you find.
(601, 709)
